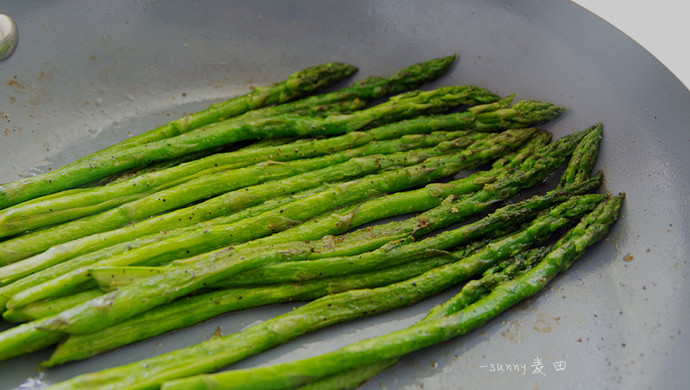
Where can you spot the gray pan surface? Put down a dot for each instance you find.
(86, 73)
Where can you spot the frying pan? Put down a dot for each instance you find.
(87, 74)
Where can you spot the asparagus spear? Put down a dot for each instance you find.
(15, 220)
(221, 351)
(76, 203)
(322, 228)
(399, 203)
(584, 157)
(349, 379)
(531, 172)
(425, 222)
(339, 108)
(471, 292)
(372, 237)
(197, 308)
(155, 291)
(296, 85)
(214, 207)
(319, 226)
(123, 247)
(397, 252)
(343, 194)
(374, 87)
(375, 236)
(201, 307)
(402, 106)
(389, 205)
(210, 185)
(299, 107)
(226, 132)
(343, 101)
(50, 307)
(522, 113)
(494, 276)
(26, 338)
(349, 244)
(591, 229)
(433, 168)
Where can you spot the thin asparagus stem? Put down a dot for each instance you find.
(221, 351)
(591, 229)
(346, 193)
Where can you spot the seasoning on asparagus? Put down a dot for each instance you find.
(590, 230)
(21, 219)
(214, 184)
(226, 132)
(430, 169)
(298, 84)
(470, 293)
(122, 333)
(197, 308)
(221, 351)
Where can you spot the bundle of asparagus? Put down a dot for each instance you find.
(186, 222)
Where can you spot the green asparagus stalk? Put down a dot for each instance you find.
(26, 338)
(373, 237)
(321, 230)
(395, 204)
(386, 206)
(221, 351)
(211, 185)
(76, 203)
(397, 108)
(332, 262)
(340, 108)
(470, 293)
(533, 171)
(431, 169)
(344, 101)
(15, 220)
(217, 206)
(50, 307)
(299, 107)
(318, 109)
(406, 79)
(230, 131)
(296, 270)
(371, 210)
(584, 157)
(296, 85)
(349, 379)
(341, 101)
(197, 308)
(370, 238)
(123, 247)
(494, 276)
(139, 297)
(350, 244)
(29, 337)
(591, 229)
